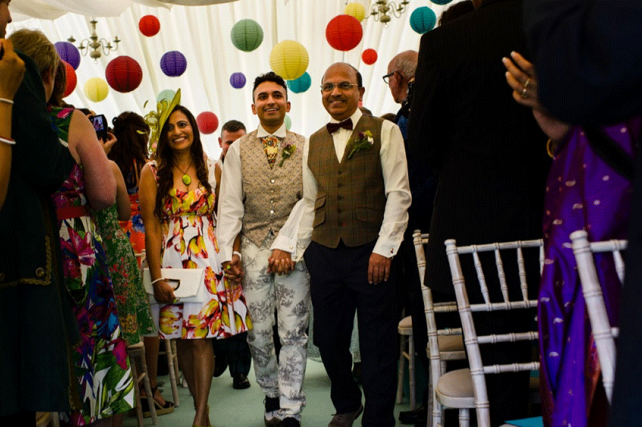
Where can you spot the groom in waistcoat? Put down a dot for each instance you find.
(260, 186)
(356, 192)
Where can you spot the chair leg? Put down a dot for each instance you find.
(172, 364)
(402, 361)
(464, 418)
(55, 419)
(411, 372)
(139, 408)
(148, 387)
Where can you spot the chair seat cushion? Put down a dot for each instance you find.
(455, 389)
(405, 326)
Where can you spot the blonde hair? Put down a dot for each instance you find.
(37, 46)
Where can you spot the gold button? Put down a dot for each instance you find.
(40, 272)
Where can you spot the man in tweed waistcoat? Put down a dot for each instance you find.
(261, 185)
(356, 193)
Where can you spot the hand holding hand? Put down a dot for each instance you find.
(12, 70)
(378, 269)
(280, 262)
(233, 270)
(164, 293)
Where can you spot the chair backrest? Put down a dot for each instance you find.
(472, 341)
(603, 334)
(430, 308)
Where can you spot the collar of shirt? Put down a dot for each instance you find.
(341, 136)
(355, 118)
(280, 132)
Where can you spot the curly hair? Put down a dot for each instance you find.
(166, 160)
(130, 152)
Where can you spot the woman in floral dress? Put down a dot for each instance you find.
(177, 204)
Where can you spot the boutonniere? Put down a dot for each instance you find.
(363, 141)
(288, 150)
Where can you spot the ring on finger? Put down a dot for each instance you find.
(527, 82)
(523, 93)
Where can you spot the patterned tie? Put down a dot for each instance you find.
(271, 147)
(333, 127)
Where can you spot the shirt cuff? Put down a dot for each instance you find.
(285, 244)
(386, 248)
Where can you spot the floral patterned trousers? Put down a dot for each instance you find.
(289, 295)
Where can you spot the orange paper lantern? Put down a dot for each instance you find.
(344, 32)
(72, 80)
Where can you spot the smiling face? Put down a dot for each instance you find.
(270, 104)
(180, 134)
(341, 103)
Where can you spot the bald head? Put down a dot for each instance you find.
(402, 69)
(342, 90)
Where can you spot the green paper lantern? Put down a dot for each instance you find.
(167, 94)
(288, 122)
(247, 35)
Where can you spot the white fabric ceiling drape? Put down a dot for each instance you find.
(202, 34)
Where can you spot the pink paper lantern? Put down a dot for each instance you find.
(207, 122)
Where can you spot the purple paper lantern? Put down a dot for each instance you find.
(68, 53)
(173, 63)
(238, 80)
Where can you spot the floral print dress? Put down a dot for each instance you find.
(134, 228)
(189, 242)
(134, 313)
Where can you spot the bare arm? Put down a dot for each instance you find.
(85, 147)
(122, 198)
(153, 234)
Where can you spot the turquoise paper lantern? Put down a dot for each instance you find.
(247, 35)
(301, 84)
(167, 94)
(441, 2)
(423, 19)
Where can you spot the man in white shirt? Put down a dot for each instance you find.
(356, 192)
(261, 184)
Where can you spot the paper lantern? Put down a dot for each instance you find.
(96, 89)
(123, 74)
(173, 63)
(167, 94)
(301, 84)
(68, 53)
(149, 25)
(237, 80)
(288, 122)
(247, 35)
(355, 10)
(369, 56)
(207, 122)
(289, 59)
(441, 2)
(423, 19)
(72, 80)
(344, 32)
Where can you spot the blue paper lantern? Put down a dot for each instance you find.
(173, 63)
(68, 53)
(247, 35)
(423, 19)
(301, 84)
(237, 80)
(167, 94)
(441, 2)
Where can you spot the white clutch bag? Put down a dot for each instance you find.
(188, 283)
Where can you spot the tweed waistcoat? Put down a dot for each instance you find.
(351, 197)
(269, 194)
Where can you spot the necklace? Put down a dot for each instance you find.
(186, 178)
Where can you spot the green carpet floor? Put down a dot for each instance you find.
(244, 408)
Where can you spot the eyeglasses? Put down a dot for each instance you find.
(329, 87)
(386, 78)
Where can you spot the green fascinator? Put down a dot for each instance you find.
(156, 119)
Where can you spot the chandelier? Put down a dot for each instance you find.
(382, 9)
(94, 46)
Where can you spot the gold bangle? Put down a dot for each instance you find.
(549, 148)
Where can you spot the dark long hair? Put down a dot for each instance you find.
(130, 152)
(166, 161)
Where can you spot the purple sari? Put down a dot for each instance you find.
(582, 193)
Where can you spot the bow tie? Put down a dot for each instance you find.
(333, 127)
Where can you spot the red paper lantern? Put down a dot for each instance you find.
(123, 74)
(72, 80)
(369, 56)
(344, 32)
(149, 25)
(207, 122)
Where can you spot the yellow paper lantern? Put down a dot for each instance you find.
(96, 89)
(355, 10)
(289, 59)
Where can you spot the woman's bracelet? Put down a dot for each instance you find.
(8, 141)
(6, 101)
(158, 280)
(239, 255)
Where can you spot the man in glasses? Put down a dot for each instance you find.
(355, 185)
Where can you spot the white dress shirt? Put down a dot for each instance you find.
(395, 178)
(231, 208)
